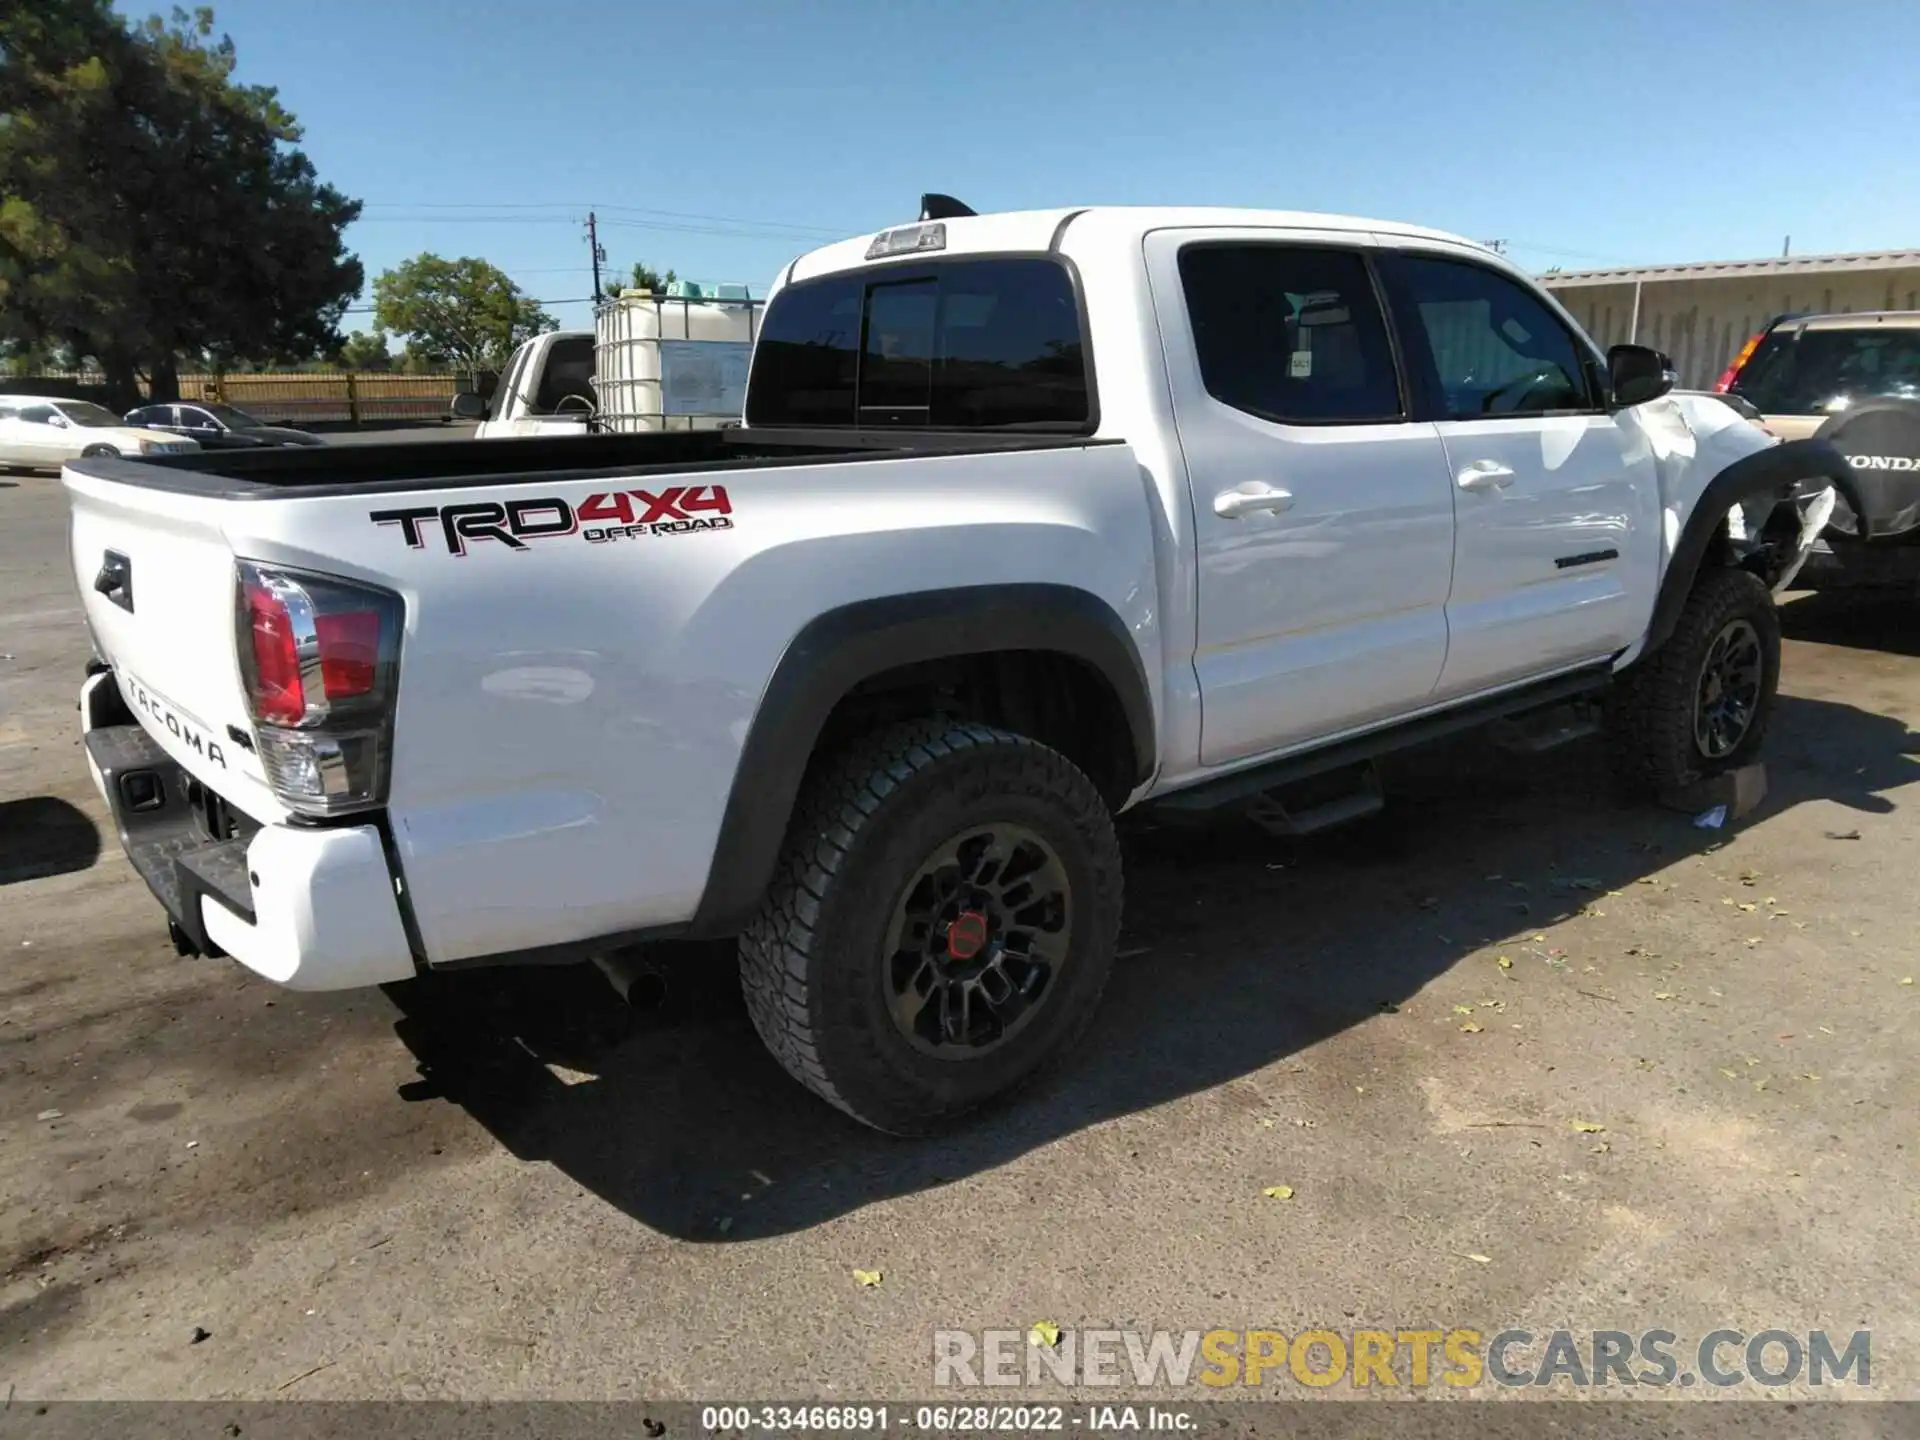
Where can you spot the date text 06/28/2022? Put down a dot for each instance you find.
(959, 1419)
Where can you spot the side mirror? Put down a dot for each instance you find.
(1638, 373)
(469, 406)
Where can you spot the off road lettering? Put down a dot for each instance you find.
(602, 535)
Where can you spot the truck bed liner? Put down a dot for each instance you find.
(324, 470)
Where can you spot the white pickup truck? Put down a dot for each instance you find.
(1035, 517)
(545, 389)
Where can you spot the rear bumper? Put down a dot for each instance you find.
(311, 909)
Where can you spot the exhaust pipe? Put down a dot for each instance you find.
(635, 979)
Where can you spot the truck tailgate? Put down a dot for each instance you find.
(156, 577)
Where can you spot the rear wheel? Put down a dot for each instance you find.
(941, 925)
(1700, 705)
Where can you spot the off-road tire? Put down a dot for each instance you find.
(1651, 712)
(812, 964)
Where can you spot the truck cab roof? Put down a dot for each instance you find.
(1103, 227)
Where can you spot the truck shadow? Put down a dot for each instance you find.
(1241, 949)
(1858, 619)
(44, 836)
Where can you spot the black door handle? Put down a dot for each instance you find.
(115, 580)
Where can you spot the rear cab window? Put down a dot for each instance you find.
(1802, 372)
(960, 344)
(567, 375)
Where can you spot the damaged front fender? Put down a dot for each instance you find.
(1724, 481)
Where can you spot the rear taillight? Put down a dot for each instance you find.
(274, 687)
(1732, 372)
(349, 653)
(320, 659)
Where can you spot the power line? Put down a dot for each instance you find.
(1570, 254)
(564, 300)
(660, 225)
(609, 210)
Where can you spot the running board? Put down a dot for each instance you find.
(1304, 807)
(1245, 785)
(1548, 728)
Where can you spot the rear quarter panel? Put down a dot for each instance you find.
(571, 713)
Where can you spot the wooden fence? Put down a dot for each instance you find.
(357, 398)
(293, 396)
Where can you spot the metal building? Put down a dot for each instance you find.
(1701, 314)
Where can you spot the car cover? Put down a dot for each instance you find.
(1880, 440)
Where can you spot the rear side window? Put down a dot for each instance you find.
(1290, 334)
(962, 344)
(1785, 376)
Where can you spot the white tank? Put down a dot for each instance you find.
(674, 361)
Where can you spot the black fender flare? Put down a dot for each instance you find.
(840, 648)
(1777, 470)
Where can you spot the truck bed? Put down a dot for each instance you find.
(581, 684)
(330, 470)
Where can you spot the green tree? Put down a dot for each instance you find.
(462, 312)
(151, 207)
(644, 277)
(365, 350)
(23, 358)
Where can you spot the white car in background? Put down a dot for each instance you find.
(43, 432)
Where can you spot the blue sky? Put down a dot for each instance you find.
(722, 139)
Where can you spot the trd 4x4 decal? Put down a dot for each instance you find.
(601, 517)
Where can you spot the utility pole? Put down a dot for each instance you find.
(1498, 247)
(599, 254)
